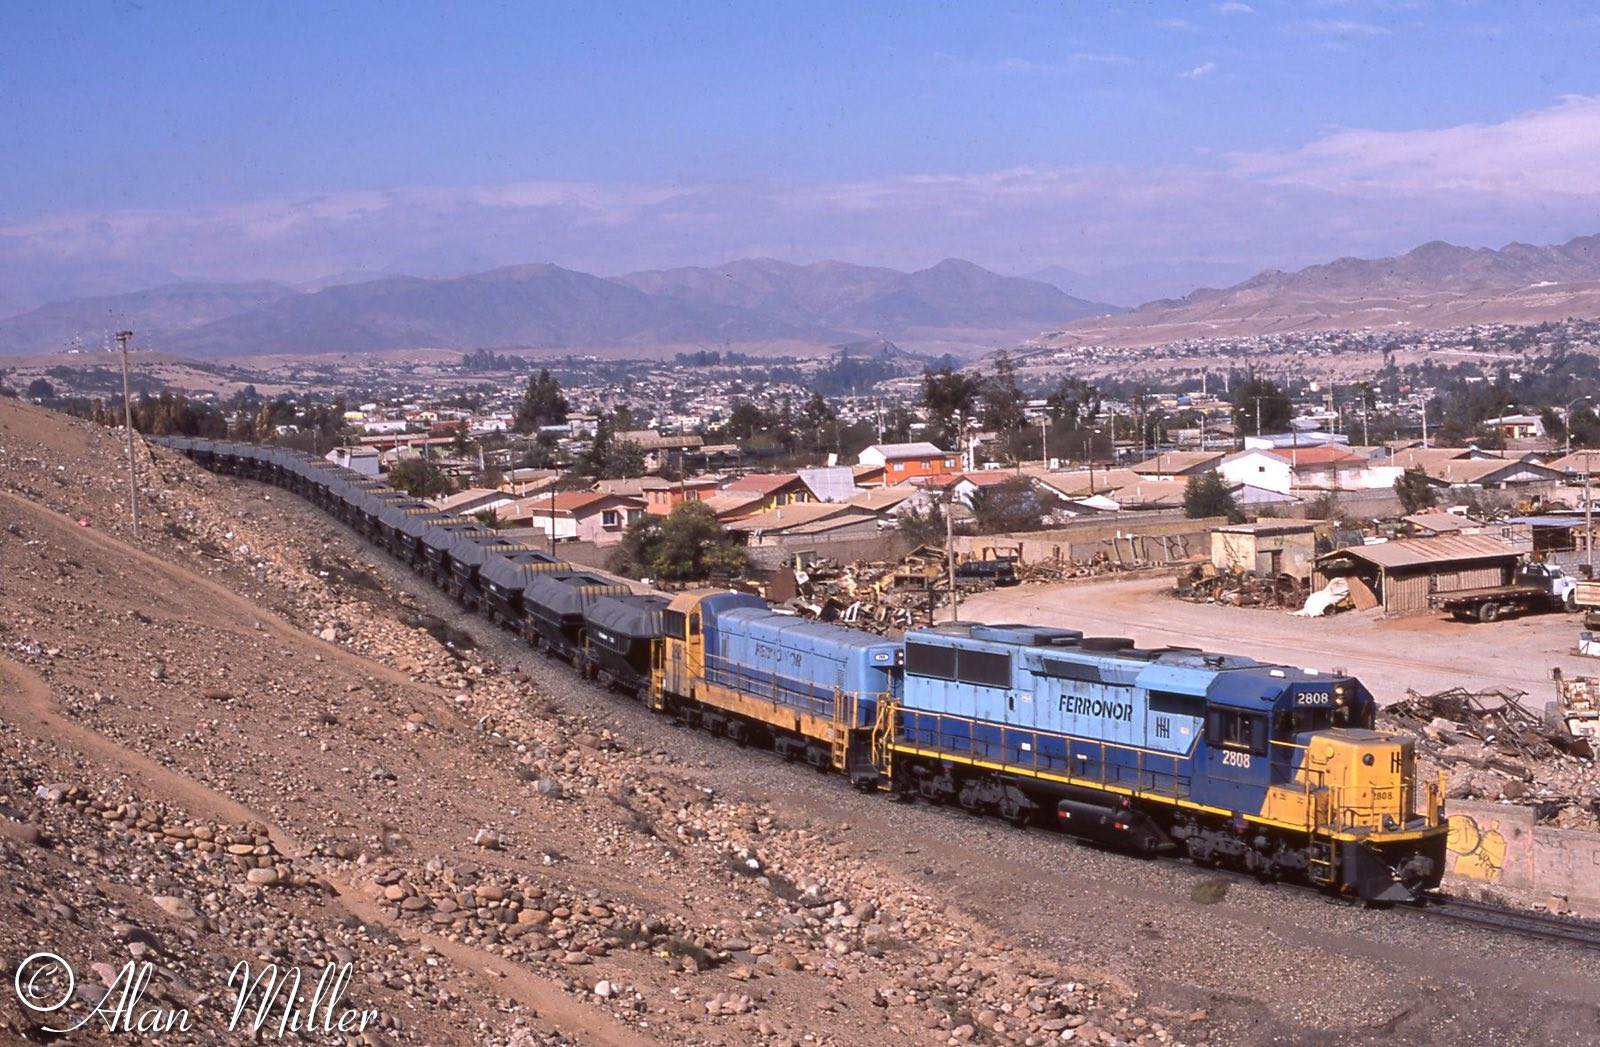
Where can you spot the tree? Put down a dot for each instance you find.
(818, 417)
(1207, 494)
(1261, 406)
(1003, 408)
(41, 389)
(923, 527)
(459, 444)
(949, 397)
(1007, 507)
(746, 421)
(688, 545)
(1414, 490)
(608, 458)
(490, 519)
(542, 404)
(419, 478)
(1074, 403)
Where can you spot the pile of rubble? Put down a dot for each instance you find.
(1492, 746)
(1204, 583)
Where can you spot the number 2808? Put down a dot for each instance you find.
(1233, 759)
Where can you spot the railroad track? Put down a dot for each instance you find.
(1544, 926)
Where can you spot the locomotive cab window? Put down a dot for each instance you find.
(1236, 730)
(672, 623)
(694, 625)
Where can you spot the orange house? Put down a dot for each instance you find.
(663, 496)
(903, 462)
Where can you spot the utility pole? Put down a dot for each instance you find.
(553, 518)
(950, 554)
(123, 338)
(1588, 520)
(1424, 423)
(1044, 442)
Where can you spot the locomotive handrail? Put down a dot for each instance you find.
(771, 685)
(1075, 765)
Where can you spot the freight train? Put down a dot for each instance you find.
(1220, 758)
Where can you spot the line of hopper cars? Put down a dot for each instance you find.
(1230, 761)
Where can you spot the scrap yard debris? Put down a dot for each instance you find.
(890, 596)
(1493, 746)
(1203, 583)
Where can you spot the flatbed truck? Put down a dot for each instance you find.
(1536, 587)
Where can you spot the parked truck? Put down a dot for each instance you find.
(1535, 587)
(1587, 595)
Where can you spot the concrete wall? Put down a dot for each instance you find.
(1148, 537)
(889, 545)
(1498, 845)
(1491, 845)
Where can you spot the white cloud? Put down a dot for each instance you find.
(1234, 7)
(1554, 150)
(1204, 69)
(1177, 25)
(1097, 58)
(1342, 27)
(1354, 191)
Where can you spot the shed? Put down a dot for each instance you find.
(1554, 535)
(1271, 547)
(1404, 574)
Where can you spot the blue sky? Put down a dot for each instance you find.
(294, 141)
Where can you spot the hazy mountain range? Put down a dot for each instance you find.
(1436, 285)
(762, 302)
(546, 306)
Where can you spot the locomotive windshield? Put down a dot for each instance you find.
(1311, 713)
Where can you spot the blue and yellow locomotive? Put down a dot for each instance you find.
(1227, 760)
(1272, 769)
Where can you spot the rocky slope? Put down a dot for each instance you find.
(233, 739)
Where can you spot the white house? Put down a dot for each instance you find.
(363, 460)
(1258, 467)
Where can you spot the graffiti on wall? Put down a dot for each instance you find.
(1477, 851)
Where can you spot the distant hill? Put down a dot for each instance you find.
(1140, 282)
(1435, 285)
(88, 322)
(546, 306)
(865, 299)
(528, 306)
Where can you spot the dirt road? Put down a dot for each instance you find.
(1423, 652)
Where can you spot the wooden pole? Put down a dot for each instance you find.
(127, 417)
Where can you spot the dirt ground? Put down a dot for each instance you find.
(1423, 652)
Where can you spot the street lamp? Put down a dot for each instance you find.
(1567, 420)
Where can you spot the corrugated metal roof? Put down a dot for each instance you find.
(830, 484)
(1441, 549)
(1548, 521)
